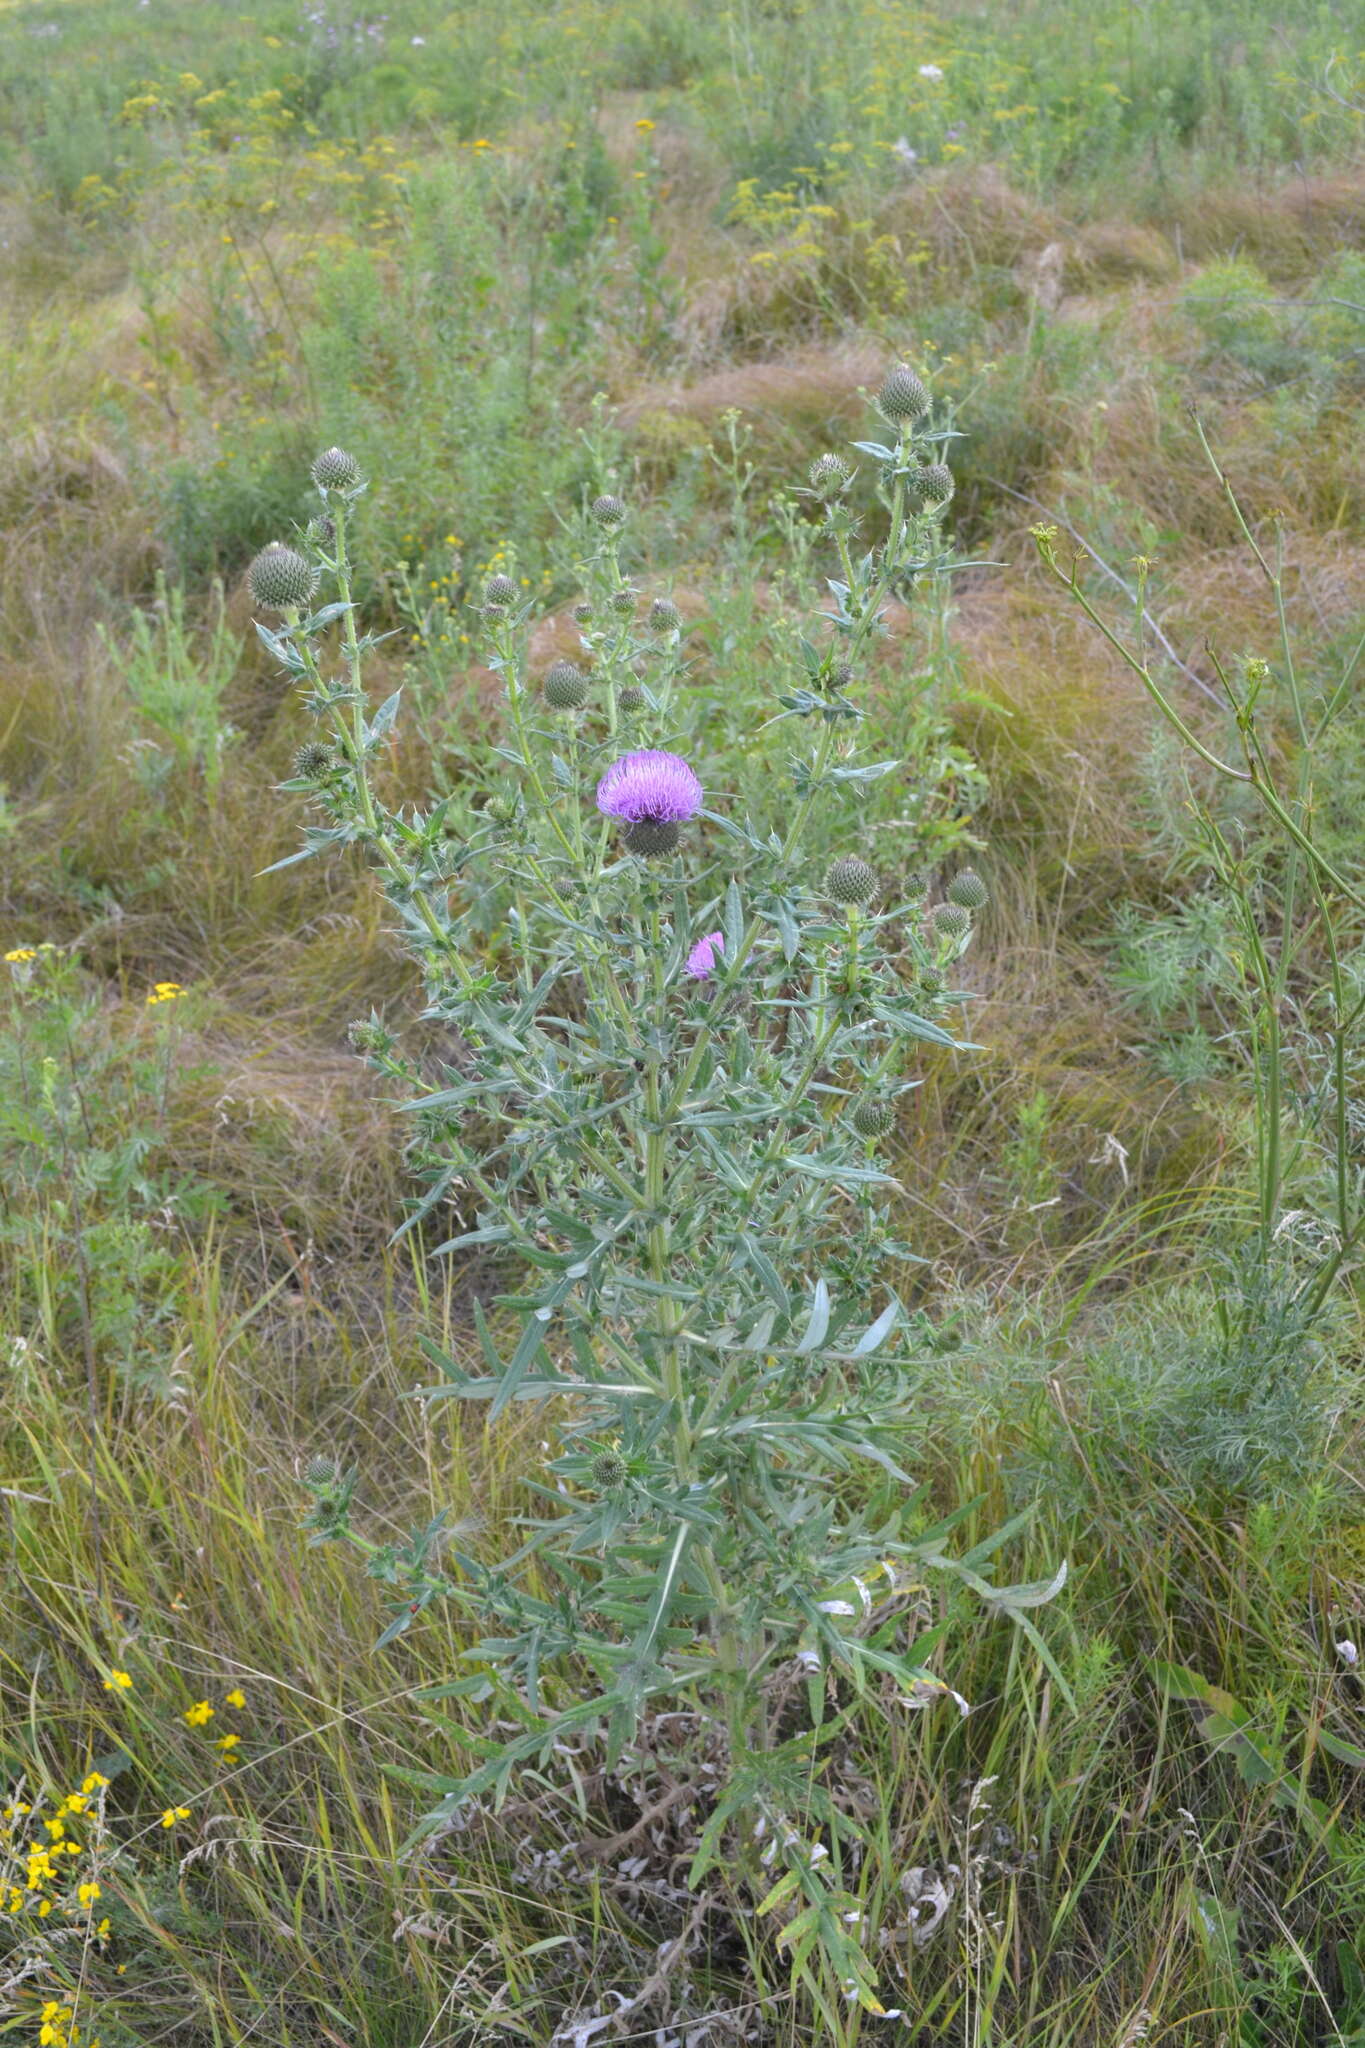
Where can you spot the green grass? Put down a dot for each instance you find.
(197, 1285)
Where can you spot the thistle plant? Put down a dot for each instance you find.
(685, 1050)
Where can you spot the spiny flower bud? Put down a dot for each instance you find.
(916, 885)
(841, 675)
(851, 880)
(313, 760)
(323, 529)
(936, 483)
(335, 470)
(932, 981)
(652, 838)
(501, 809)
(631, 697)
(583, 613)
(622, 603)
(902, 397)
(367, 1034)
(280, 578)
(321, 1471)
(828, 474)
(566, 687)
(968, 889)
(664, 616)
(608, 1470)
(499, 590)
(873, 1118)
(608, 511)
(951, 920)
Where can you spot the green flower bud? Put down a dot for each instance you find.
(664, 616)
(951, 920)
(828, 474)
(968, 889)
(936, 484)
(932, 981)
(916, 885)
(321, 1471)
(652, 838)
(313, 760)
(335, 470)
(631, 697)
(323, 529)
(902, 397)
(566, 687)
(608, 1471)
(608, 511)
(501, 809)
(499, 590)
(851, 881)
(622, 603)
(873, 1118)
(281, 579)
(367, 1034)
(584, 614)
(841, 675)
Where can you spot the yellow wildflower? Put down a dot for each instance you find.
(645, 127)
(236, 1698)
(88, 1893)
(22, 953)
(200, 1714)
(118, 1681)
(165, 992)
(173, 1814)
(227, 1743)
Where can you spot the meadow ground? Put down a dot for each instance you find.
(510, 258)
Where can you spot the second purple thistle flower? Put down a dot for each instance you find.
(654, 792)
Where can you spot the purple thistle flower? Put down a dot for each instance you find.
(701, 961)
(649, 786)
(653, 792)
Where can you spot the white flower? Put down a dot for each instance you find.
(931, 72)
(1348, 1652)
(419, 42)
(901, 148)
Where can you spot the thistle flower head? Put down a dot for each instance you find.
(932, 981)
(873, 1118)
(608, 511)
(951, 920)
(851, 881)
(649, 787)
(622, 603)
(583, 614)
(367, 1034)
(664, 616)
(936, 483)
(630, 698)
(608, 1470)
(321, 1471)
(281, 578)
(313, 760)
(701, 961)
(335, 470)
(968, 889)
(566, 687)
(499, 590)
(828, 474)
(902, 397)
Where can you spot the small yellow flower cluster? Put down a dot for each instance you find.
(22, 953)
(164, 992)
(57, 2027)
(38, 1876)
(202, 1712)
